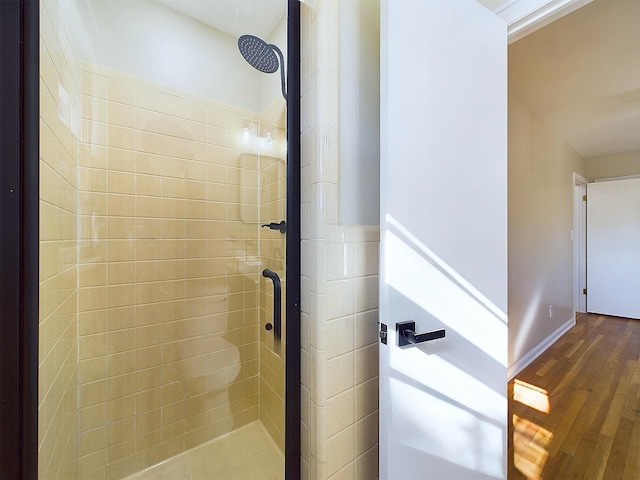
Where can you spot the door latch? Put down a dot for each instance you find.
(407, 334)
(383, 333)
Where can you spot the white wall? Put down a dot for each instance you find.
(148, 40)
(619, 165)
(270, 87)
(359, 97)
(540, 223)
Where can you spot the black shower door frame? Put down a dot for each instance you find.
(19, 259)
(19, 240)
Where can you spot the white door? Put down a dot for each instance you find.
(443, 403)
(613, 248)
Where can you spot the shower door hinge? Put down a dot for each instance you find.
(383, 333)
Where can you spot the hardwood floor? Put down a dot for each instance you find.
(576, 412)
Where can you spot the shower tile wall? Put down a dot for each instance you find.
(57, 422)
(169, 282)
(339, 279)
(272, 254)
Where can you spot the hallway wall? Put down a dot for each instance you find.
(540, 222)
(618, 165)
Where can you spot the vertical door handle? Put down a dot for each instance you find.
(277, 303)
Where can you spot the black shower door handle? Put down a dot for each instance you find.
(277, 303)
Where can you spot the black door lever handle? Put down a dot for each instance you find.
(407, 334)
(282, 226)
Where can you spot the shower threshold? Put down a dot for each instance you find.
(245, 454)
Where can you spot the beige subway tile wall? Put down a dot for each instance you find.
(339, 280)
(169, 277)
(162, 212)
(58, 419)
(150, 283)
(272, 254)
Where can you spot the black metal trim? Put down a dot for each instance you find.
(10, 154)
(293, 461)
(31, 234)
(19, 199)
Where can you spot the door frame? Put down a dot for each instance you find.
(579, 237)
(19, 243)
(19, 199)
(293, 386)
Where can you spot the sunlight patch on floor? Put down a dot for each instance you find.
(531, 396)
(529, 445)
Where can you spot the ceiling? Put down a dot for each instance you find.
(234, 17)
(580, 76)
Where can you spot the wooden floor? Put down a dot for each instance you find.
(577, 408)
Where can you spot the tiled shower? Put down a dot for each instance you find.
(152, 299)
(339, 264)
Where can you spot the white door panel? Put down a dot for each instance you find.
(613, 248)
(443, 240)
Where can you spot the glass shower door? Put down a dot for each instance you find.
(163, 235)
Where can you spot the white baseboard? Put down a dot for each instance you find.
(539, 349)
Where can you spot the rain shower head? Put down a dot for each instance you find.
(258, 53)
(262, 56)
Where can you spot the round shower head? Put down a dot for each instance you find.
(258, 53)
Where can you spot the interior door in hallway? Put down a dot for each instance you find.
(443, 403)
(613, 248)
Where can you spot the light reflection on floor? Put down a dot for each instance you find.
(529, 452)
(529, 439)
(531, 396)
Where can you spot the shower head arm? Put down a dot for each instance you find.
(282, 73)
(260, 55)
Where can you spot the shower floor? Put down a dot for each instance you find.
(244, 454)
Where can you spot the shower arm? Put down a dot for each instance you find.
(282, 73)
